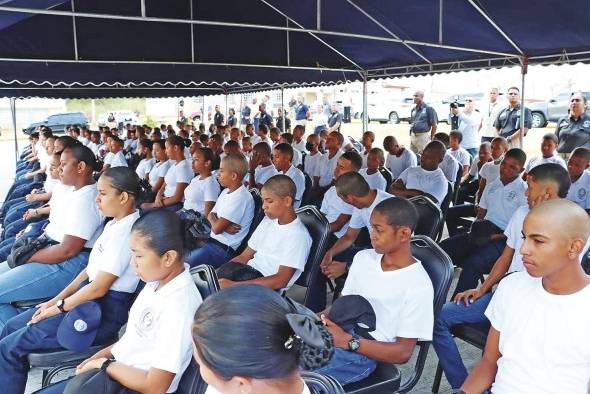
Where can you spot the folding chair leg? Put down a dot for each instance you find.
(437, 379)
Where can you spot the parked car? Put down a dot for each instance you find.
(58, 122)
(116, 118)
(392, 111)
(551, 110)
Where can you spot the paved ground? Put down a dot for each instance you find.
(470, 354)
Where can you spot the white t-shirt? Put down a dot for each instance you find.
(402, 299)
(112, 254)
(333, 206)
(514, 239)
(145, 167)
(277, 245)
(263, 174)
(433, 183)
(313, 164)
(537, 161)
(200, 191)
(543, 338)
(361, 217)
(118, 160)
(468, 126)
(364, 156)
(211, 390)
(501, 200)
(397, 165)
(180, 172)
(77, 216)
(59, 199)
(297, 158)
(450, 167)
(300, 146)
(375, 181)
(238, 208)
(580, 191)
(159, 170)
(474, 169)
(158, 331)
(49, 184)
(461, 155)
(489, 117)
(328, 167)
(108, 158)
(297, 176)
(490, 171)
(93, 147)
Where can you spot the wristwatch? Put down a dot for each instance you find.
(60, 305)
(355, 343)
(107, 362)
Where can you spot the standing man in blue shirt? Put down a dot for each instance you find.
(302, 113)
(424, 122)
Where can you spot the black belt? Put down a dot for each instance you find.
(221, 245)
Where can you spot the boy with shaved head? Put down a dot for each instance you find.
(540, 323)
(545, 182)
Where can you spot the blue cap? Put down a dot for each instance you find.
(79, 327)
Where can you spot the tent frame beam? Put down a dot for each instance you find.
(495, 26)
(301, 28)
(313, 32)
(388, 31)
(176, 63)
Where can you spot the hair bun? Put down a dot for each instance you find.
(311, 357)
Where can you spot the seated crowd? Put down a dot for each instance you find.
(95, 237)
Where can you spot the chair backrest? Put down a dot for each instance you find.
(258, 216)
(307, 191)
(446, 202)
(457, 184)
(321, 384)
(439, 268)
(205, 279)
(430, 218)
(437, 264)
(311, 278)
(387, 175)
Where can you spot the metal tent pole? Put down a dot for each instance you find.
(365, 104)
(284, 129)
(13, 113)
(524, 69)
(226, 111)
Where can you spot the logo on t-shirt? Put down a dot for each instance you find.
(511, 195)
(582, 194)
(586, 124)
(146, 321)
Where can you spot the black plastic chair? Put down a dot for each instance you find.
(457, 184)
(387, 175)
(474, 334)
(321, 384)
(311, 278)
(430, 218)
(258, 216)
(307, 193)
(386, 378)
(444, 207)
(205, 279)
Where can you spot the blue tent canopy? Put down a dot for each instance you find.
(149, 48)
